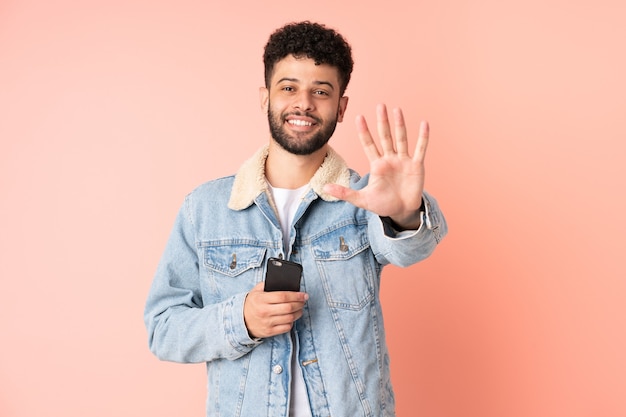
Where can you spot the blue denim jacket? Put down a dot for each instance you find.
(223, 236)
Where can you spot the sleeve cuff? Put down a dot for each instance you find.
(391, 229)
(235, 326)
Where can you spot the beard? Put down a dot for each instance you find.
(299, 144)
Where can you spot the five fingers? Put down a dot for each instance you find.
(386, 138)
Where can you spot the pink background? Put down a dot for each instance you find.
(111, 111)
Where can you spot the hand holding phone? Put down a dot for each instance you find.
(282, 275)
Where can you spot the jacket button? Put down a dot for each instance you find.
(277, 369)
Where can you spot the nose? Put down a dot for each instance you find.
(303, 101)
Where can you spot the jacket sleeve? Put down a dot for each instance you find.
(408, 247)
(180, 328)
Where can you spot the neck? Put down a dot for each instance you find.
(286, 170)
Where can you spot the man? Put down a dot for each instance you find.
(320, 351)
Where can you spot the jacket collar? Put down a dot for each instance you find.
(250, 179)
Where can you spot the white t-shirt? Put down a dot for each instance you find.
(287, 202)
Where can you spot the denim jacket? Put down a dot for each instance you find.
(223, 236)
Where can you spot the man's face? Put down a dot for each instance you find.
(303, 104)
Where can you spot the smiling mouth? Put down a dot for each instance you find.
(301, 119)
(298, 122)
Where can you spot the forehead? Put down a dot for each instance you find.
(304, 70)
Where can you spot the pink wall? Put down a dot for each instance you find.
(111, 111)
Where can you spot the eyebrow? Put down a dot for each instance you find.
(295, 80)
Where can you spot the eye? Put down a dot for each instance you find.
(288, 89)
(320, 93)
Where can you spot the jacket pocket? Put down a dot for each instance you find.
(231, 268)
(344, 261)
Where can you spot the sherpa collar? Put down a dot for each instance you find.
(250, 179)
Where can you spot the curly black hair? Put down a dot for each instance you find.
(310, 40)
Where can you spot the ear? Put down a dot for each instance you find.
(343, 104)
(264, 97)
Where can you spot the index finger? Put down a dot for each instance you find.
(280, 297)
(369, 147)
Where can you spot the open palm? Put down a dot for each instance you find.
(396, 179)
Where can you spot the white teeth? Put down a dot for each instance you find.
(300, 123)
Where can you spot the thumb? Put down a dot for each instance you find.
(343, 193)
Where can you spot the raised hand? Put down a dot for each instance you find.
(396, 179)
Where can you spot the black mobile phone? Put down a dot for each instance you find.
(281, 275)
